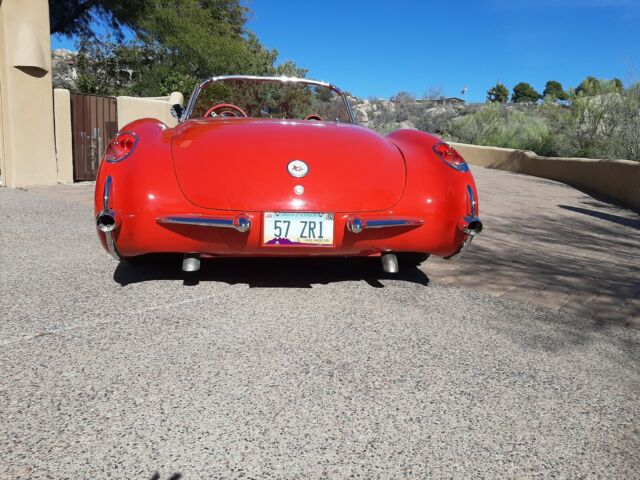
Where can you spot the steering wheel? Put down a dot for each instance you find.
(313, 116)
(227, 110)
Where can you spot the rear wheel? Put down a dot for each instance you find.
(411, 259)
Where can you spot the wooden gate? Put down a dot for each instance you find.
(94, 120)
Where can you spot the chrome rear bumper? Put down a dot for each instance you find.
(469, 224)
(107, 221)
(241, 223)
(356, 224)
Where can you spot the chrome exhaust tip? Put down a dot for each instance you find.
(191, 262)
(389, 263)
(107, 221)
(470, 225)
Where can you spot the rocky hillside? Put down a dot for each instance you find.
(433, 116)
(63, 65)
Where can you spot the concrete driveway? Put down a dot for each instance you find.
(480, 368)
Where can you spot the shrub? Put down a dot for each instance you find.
(627, 141)
(591, 126)
(496, 126)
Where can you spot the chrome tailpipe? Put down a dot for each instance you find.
(191, 262)
(471, 225)
(389, 263)
(107, 221)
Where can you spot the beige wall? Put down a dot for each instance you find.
(2, 155)
(133, 108)
(129, 109)
(62, 122)
(26, 99)
(618, 179)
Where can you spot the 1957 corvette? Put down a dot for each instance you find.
(276, 166)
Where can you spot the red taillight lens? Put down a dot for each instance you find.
(450, 156)
(120, 146)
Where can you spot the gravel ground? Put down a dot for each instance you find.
(291, 370)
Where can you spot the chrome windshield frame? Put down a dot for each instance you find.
(196, 91)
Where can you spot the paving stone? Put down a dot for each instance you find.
(575, 250)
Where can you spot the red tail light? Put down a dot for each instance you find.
(450, 156)
(120, 146)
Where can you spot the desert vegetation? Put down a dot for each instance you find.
(597, 119)
(601, 120)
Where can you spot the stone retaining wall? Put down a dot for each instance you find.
(617, 179)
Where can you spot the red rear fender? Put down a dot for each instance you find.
(439, 189)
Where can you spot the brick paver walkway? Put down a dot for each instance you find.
(549, 244)
(544, 243)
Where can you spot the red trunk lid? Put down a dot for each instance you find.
(241, 164)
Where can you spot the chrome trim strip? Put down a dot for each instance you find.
(465, 246)
(198, 88)
(107, 193)
(392, 222)
(241, 223)
(111, 245)
(472, 201)
(280, 78)
(356, 224)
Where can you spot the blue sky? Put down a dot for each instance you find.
(376, 47)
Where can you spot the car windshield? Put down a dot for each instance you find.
(284, 98)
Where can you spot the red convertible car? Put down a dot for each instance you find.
(276, 166)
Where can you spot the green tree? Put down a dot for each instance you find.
(76, 17)
(498, 93)
(104, 67)
(523, 92)
(554, 90)
(177, 43)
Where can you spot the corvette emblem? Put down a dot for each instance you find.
(297, 168)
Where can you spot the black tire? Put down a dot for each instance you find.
(411, 259)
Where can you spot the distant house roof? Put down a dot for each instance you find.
(454, 100)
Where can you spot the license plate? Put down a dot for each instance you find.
(297, 228)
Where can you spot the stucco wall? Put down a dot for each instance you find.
(133, 108)
(28, 156)
(64, 148)
(618, 179)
